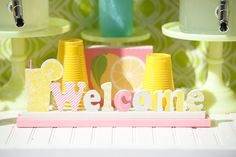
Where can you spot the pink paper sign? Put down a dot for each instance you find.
(122, 66)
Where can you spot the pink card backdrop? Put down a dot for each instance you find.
(123, 66)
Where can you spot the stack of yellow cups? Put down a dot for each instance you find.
(158, 74)
(72, 56)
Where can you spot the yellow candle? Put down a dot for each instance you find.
(38, 84)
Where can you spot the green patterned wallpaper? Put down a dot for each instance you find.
(189, 58)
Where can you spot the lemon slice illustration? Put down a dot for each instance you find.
(53, 69)
(127, 73)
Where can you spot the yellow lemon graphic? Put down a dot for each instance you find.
(124, 73)
(127, 73)
(109, 60)
(53, 69)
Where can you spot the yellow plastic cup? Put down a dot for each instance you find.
(158, 74)
(72, 56)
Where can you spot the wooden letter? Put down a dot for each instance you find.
(92, 96)
(119, 100)
(147, 100)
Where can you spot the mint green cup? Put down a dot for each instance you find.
(200, 17)
(35, 15)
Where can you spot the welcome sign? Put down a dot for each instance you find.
(124, 99)
(130, 109)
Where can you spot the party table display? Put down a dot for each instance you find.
(77, 104)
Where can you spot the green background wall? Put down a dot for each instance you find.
(189, 58)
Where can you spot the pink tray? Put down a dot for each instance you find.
(64, 120)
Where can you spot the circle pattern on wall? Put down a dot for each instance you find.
(189, 58)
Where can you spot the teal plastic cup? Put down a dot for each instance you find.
(115, 18)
